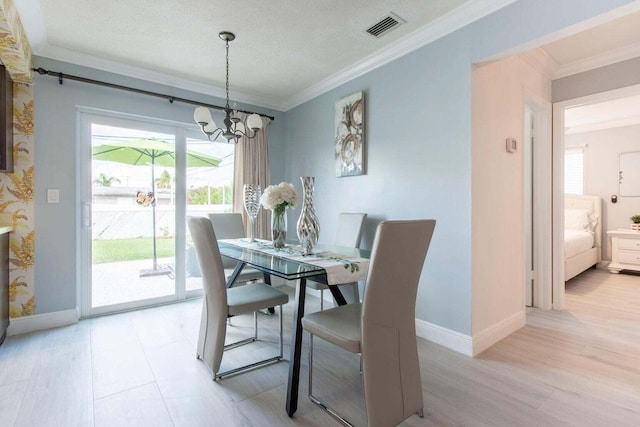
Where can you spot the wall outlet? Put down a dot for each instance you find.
(53, 195)
(512, 145)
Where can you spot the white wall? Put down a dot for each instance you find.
(498, 106)
(601, 174)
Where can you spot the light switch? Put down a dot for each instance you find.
(53, 195)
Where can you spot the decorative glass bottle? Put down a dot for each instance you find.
(308, 225)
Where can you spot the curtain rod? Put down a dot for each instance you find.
(170, 98)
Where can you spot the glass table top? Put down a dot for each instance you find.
(279, 265)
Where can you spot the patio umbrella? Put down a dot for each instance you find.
(152, 152)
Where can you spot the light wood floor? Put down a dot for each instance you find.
(580, 367)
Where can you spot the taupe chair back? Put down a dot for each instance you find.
(392, 385)
(230, 226)
(349, 231)
(348, 235)
(227, 226)
(213, 325)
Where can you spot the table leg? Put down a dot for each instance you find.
(236, 272)
(267, 280)
(296, 348)
(337, 295)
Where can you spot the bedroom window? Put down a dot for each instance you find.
(574, 170)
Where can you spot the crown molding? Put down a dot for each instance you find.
(65, 55)
(617, 55)
(541, 62)
(446, 24)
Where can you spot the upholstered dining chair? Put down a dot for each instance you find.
(219, 303)
(382, 328)
(230, 226)
(348, 235)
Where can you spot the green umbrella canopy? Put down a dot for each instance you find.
(149, 151)
(152, 152)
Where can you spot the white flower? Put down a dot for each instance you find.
(279, 196)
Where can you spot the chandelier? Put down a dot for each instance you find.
(233, 127)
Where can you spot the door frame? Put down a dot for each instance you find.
(85, 116)
(558, 180)
(542, 197)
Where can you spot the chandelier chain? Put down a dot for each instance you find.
(227, 76)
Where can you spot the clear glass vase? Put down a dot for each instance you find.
(308, 227)
(251, 194)
(279, 227)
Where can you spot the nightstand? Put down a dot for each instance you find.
(625, 250)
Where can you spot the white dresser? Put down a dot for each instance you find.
(625, 250)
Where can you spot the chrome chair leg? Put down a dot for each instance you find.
(321, 299)
(314, 399)
(219, 375)
(255, 325)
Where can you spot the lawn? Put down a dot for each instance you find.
(131, 249)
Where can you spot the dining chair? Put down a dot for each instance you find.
(220, 302)
(230, 226)
(348, 234)
(382, 329)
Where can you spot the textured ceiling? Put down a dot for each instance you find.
(286, 51)
(282, 47)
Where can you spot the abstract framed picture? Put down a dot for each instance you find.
(349, 135)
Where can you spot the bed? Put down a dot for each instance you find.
(582, 233)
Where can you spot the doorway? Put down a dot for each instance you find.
(140, 178)
(593, 123)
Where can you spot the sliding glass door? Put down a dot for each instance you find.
(141, 178)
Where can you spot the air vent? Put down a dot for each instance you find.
(385, 25)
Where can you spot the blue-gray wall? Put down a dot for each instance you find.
(418, 133)
(56, 226)
(418, 151)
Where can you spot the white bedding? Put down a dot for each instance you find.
(576, 241)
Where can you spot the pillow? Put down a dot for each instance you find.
(576, 219)
(593, 222)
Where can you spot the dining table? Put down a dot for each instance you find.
(328, 264)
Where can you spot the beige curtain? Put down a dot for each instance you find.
(251, 166)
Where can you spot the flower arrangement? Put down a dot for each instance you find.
(279, 197)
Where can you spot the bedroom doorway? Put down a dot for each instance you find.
(600, 125)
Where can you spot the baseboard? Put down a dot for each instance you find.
(452, 340)
(498, 331)
(470, 345)
(39, 322)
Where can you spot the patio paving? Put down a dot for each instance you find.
(120, 282)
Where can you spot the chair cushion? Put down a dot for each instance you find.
(339, 326)
(254, 297)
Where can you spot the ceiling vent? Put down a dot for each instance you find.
(385, 25)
